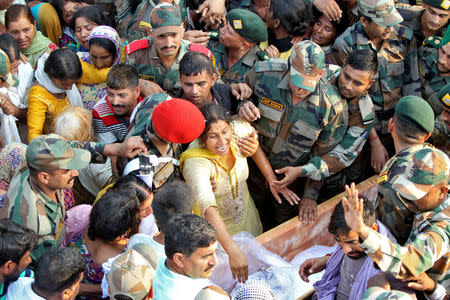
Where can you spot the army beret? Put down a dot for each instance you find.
(444, 95)
(416, 110)
(441, 4)
(248, 25)
(445, 38)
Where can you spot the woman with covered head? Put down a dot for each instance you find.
(20, 23)
(54, 91)
(105, 50)
(214, 159)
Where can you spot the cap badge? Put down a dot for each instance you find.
(237, 24)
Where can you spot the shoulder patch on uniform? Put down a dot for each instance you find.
(404, 32)
(200, 48)
(137, 45)
(432, 40)
(276, 65)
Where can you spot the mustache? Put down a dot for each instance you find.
(118, 105)
(168, 47)
(209, 268)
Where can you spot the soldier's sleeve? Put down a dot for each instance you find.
(440, 135)
(411, 76)
(339, 52)
(342, 156)
(378, 293)
(96, 150)
(250, 80)
(44, 244)
(417, 256)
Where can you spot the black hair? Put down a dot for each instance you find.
(213, 113)
(15, 12)
(122, 297)
(58, 269)
(408, 129)
(133, 182)
(363, 60)
(122, 76)
(294, 15)
(9, 44)
(186, 233)
(114, 214)
(63, 64)
(59, 6)
(194, 63)
(105, 44)
(173, 199)
(15, 241)
(92, 13)
(339, 26)
(339, 227)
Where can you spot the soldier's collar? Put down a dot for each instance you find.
(250, 57)
(284, 82)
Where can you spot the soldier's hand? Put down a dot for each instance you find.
(378, 155)
(249, 112)
(249, 144)
(312, 266)
(290, 174)
(149, 88)
(329, 8)
(421, 282)
(353, 208)
(307, 210)
(129, 148)
(197, 37)
(241, 91)
(272, 51)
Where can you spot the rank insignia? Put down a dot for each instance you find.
(446, 99)
(272, 104)
(445, 4)
(237, 24)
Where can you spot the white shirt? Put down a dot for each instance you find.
(21, 289)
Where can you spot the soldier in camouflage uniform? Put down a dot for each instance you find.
(238, 51)
(300, 114)
(395, 48)
(440, 137)
(421, 184)
(410, 127)
(353, 82)
(164, 125)
(35, 197)
(157, 57)
(435, 68)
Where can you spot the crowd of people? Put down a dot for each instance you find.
(138, 137)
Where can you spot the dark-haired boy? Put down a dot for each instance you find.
(16, 243)
(111, 115)
(59, 273)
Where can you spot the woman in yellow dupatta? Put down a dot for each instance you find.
(215, 156)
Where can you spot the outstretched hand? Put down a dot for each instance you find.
(353, 208)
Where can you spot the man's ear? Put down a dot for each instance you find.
(137, 91)
(363, 21)
(66, 294)
(391, 125)
(178, 259)
(8, 267)
(149, 32)
(43, 177)
(214, 78)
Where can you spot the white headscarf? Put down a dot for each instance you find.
(73, 94)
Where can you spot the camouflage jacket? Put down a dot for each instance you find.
(134, 26)
(398, 67)
(140, 126)
(441, 136)
(430, 78)
(426, 250)
(236, 73)
(361, 119)
(289, 134)
(391, 209)
(27, 205)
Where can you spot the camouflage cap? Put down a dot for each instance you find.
(52, 152)
(426, 168)
(5, 73)
(165, 18)
(248, 25)
(444, 95)
(306, 63)
(416, 110)
(382, 12)
(440, 4)
(132, 272)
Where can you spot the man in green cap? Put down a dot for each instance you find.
(435, 68)
(410, 127)
(157, 57)
(297, 114)
(379, 31)
(420, 181)
(35, 197)
(238, 50)
(440, 137)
